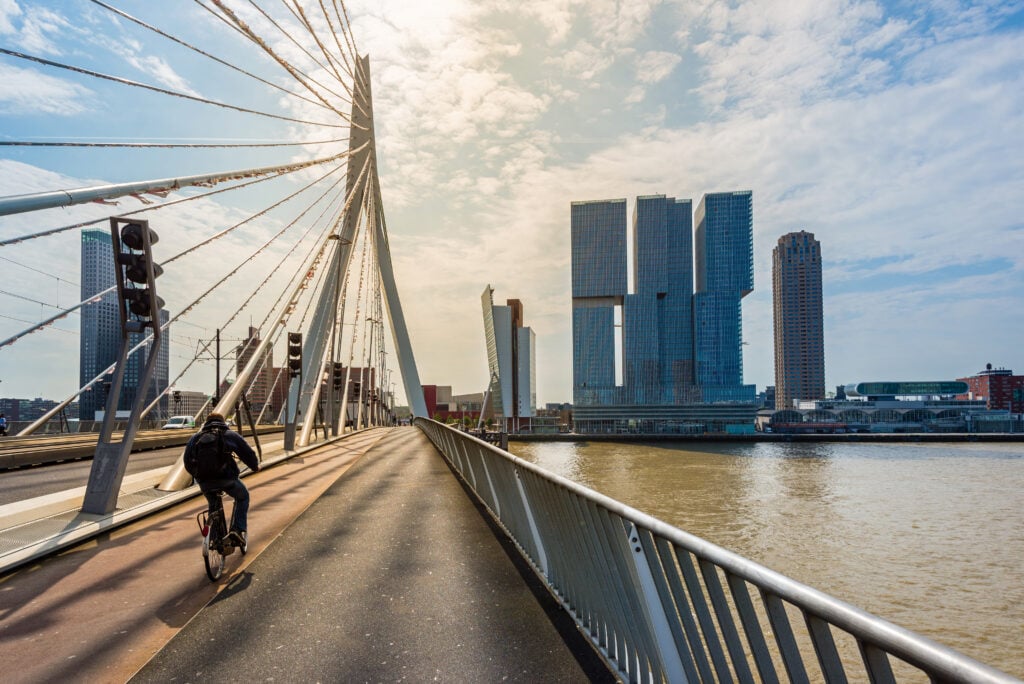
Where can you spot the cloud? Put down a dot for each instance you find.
(8, 11)
(655, 66)
(38, 31)
(28, 91)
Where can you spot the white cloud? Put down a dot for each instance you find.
(8, 11)
(655, 66)
(28, 91)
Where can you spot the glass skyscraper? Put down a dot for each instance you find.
(798, 319)
(100, 342)
(599, 284)
(668, 342)
(724, 275)
(657, 317)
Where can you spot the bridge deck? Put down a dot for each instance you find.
(385, 572)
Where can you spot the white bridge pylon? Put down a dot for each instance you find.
(322, 338)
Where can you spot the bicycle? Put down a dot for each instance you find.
(217, 543)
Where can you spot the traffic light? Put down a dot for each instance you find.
(137, 273)
(294, 354)
(355, 390)
(338, 375)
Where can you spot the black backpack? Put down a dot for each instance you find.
(208, 459)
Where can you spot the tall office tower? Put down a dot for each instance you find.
(100, 325)
(798, 320)
(724, 249)
(657, 317)
(100, 343)
(511, 358)
(599, 285)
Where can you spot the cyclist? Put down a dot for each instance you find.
(219, 472)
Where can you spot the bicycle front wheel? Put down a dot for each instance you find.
(213, 555)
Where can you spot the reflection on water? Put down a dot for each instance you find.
(928, 536)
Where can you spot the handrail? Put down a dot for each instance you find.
(651, 599)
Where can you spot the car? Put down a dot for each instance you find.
(179, 423)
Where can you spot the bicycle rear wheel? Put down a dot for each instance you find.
(213, 553)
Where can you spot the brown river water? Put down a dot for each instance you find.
(928, 536)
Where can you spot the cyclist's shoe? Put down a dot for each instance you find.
(239, 539)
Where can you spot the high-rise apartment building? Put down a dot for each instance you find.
(599, 285)
(724, 275)
(798, 320)
(670, 340)
(658, 316)
(100, 343)
(511, 359)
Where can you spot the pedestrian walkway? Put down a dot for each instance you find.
(368, 561)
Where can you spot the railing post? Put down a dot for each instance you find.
(668, 653)
(542, 557)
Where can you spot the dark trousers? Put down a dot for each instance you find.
(237, 491)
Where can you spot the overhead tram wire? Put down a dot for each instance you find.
(41, 272)
(165, 91)
(282, 171)
(206, 54)
(291, 69)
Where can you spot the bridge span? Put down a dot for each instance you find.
(366, 561)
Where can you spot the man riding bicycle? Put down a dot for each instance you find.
(208, 459)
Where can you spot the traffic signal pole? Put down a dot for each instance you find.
(139, 308)
(291, 412)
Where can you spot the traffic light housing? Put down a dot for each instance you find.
(338, 375)
(132, 240)
(355, 390)
(294, 354)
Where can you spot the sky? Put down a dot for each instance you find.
(893, 131)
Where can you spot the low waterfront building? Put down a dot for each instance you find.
(892, 407)
(999, 388)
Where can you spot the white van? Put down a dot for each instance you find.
(179, 423)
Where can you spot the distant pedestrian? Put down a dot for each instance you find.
(3, 426)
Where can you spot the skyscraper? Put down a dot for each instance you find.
(599, 285)
(658, 316)
(100, 327)
(798, 320)
(724, 260)
(100, 343)
(637, 353)
(511, 359)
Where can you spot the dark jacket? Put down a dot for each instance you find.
(235, 444)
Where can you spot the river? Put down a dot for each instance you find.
(928, 536)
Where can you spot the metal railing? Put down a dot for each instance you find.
(663, 605)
